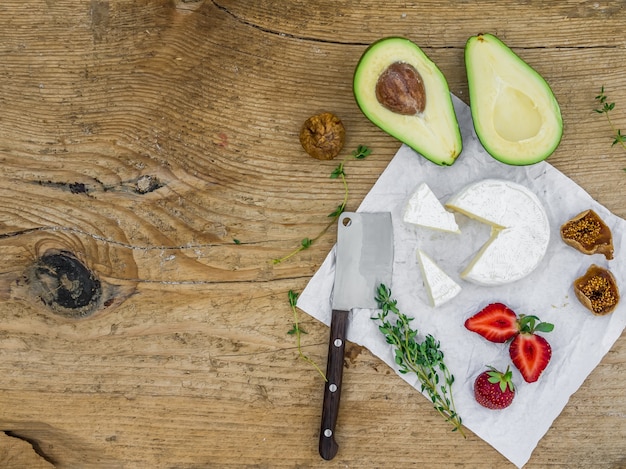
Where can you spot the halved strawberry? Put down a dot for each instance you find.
(530, 352)
(494, 389)
(495, 322)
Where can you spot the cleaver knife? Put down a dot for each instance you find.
(364, 260)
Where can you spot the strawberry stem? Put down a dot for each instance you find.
(529, 324)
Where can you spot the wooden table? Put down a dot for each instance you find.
(150, 165)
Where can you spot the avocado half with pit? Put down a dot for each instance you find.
(404, 93)
(515, 114)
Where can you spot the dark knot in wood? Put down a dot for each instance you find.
(65, 285)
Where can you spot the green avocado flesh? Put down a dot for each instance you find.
(403, 92)
(515, 113)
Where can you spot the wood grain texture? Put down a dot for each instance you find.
(155, 144)
(18, 454)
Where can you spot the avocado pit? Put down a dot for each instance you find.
(400, 89)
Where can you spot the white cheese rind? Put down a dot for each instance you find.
(441, 288)
(520, 230)
(424, 209)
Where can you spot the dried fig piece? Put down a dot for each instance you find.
(597, 290)
(322, 136)
(589, 234)
(400, 89)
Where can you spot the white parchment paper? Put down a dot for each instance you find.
(579, 340)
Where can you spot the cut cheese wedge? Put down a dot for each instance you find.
(424, 209)
(520, 230)
(441, 288)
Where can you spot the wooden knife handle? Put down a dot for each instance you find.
(332, 387)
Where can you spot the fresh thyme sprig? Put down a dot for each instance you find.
(425, 358)
(605, 108)
(298, 331)
(338, 173)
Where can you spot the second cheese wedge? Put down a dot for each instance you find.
(441, 288)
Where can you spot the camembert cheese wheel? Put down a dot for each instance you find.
(520, 230)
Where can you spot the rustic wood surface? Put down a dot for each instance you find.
(149, 154)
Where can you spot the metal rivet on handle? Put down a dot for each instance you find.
(332, 387)
(328, 432)
(338, 342)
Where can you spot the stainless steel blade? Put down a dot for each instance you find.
(364, 258)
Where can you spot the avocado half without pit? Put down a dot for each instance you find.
(515, 114)
(404, 93)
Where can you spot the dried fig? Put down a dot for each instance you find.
(597, 290)
(322, 136)
(589, 234)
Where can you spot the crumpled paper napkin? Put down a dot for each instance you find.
(579, 339)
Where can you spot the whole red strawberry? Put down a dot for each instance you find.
(495, 322)
(494, 389)
(530, 352)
